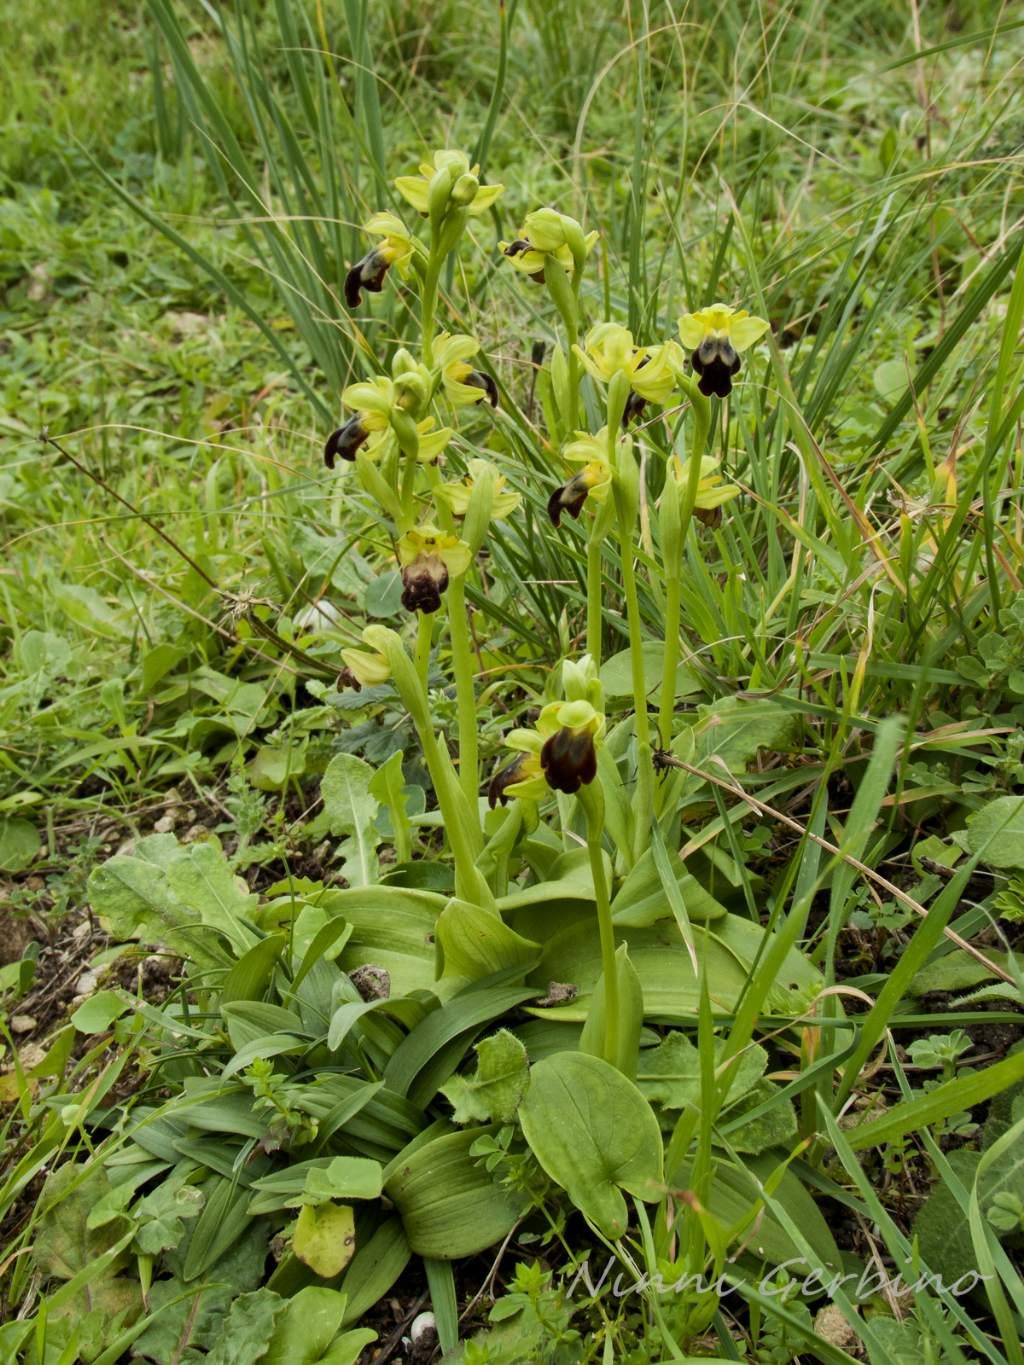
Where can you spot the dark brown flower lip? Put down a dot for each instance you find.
(716, 362)
(502, 779)
(517, 247)
(477, 379)
(423, 582)
(569, 760)
(367, 274)
(347, 679)
(345, 441)
(569, 497)
(634, 407)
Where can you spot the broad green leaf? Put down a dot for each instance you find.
(184, 1317)
(568, 879)
(325, 1238)
(165, 1213)
(167, 894)
(276, 1045)
(307, 1332)
(375, 1267)
(941, 1226)
(248, 1329)
(735, 1191)
(996, 832)
(450, 1205)
(19, 844)
(733, 729)
(476, 943)
(222, 1222)
(496, 1087)
(890, 379)
(388, 785)
(64, 1244)
(775, 1127)
(641, 900)
(594, 1134)
(88, 609)
(669, 1074)
(96, 1014)
(350, 808)
(393, 928)
(423, 1061)
(726, 946)
(247, 979)
(383, 594)
(250, 1019)
(271, 767)
(40, 651)
(630, 1017)
(344, 1177)
(617, 674)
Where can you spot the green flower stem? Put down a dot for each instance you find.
(594, 584)
(673, 561)
(670, 662)
(591, 798)
(464, 839)
(644, 754)
(429, 305)
(626, 496)
(564, 297)
(424, 635)
(407, 496)
(465, 693)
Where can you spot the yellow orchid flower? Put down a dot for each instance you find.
(428, 557)
(715, 337)
(431, 443)
(652, 371)
(712, 492)
(560, 754)
(366, 668)
(450, 177)
(457, 495)
(546, 232)
(372, 402)
(395, 249)
(593, 480)
(462, 384)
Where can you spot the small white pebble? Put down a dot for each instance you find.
(423, 1331)
(165, 825)
(86, 983)
(318, 616)
(22, 1023)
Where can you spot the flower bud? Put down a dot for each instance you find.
(439, 193)
(465, 189)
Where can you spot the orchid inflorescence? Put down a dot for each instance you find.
(399, 428)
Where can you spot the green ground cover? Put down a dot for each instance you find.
(288, 1054)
